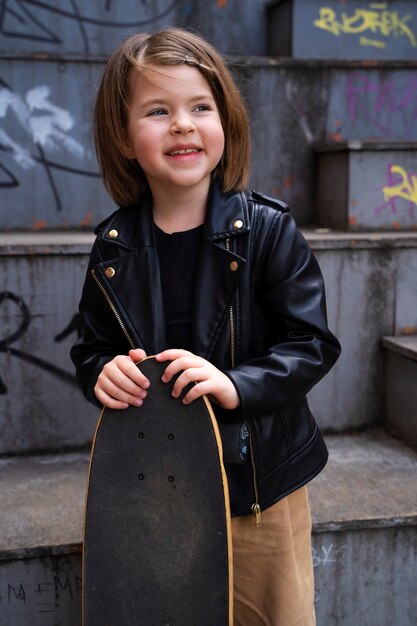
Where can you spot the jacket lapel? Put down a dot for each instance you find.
(137, 290)
(219, 268)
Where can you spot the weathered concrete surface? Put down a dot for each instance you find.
(48, 173)
(370, 289)
(43, 591)
(371, 292)
(313, 29)
(41, 407)
(364, 507)
(42, 505)
(95, 28)
(400, 387)
(374, 188)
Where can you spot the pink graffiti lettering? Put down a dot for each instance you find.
(382, 104)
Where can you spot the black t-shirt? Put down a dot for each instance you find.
(178, 257)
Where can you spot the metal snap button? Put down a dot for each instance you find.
(238, 224)
(113, 233)
(110, 272)
(234, 266)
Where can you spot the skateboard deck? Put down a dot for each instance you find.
(157, 541)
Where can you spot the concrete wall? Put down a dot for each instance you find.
(371, 292)
(48, 172)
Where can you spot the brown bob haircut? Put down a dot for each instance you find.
(123, 177)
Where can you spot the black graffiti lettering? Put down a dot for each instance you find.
(10, 181)
(62, 587)
(5, 343)
(32, 28)
(41, 588)
(78, 584)
(73, 327)
(16, 593)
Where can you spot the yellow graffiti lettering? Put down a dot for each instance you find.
(385, 23)
(364, 41)
(406, 188)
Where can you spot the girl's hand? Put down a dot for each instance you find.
(121, 383)
(209, 380)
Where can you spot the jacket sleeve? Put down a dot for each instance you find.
(301, 348)
(101, 336)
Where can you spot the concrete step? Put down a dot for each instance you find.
(364, 507)
(359, 30)
(368, 276)
(352, 203)
(293, 106)
(400, 377)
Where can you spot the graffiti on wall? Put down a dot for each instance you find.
(33, 19)
(376, 25)
(7, 341)
(384, 105)
(400, 185)
(46, 130)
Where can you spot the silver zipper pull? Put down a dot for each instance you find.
(256, 510)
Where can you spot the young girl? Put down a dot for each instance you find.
(218, 283)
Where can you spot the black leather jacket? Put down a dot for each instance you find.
(259, 315)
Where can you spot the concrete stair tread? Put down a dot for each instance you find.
(369, 481)
(42, 504)
(15, 243)
(402, 344)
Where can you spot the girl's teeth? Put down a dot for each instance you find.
(189, 151)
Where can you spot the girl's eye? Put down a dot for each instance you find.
(202, 107)
(157, 112)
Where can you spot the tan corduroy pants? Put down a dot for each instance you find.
(272, 566)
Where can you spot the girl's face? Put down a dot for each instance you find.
(174, 129)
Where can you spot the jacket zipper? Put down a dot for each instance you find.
(113, 308)
(256, 508)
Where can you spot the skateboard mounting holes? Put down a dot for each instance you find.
(141, 435)
(171, 436)
(171, 479)
(141, 476)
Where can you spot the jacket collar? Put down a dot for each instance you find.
(132, 227)
(218, 272)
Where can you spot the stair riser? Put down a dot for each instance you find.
(361, 577)
(42, 409)
(41, 406)
(97, 30)
(401, 397)
(291, 108)
(367, 189)
(366, 577)
(368, 291)
(41, 591)
(305, 29)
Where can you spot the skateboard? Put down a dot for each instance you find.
(157, 540)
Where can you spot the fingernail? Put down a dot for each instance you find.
(138, 402)
(146, 384)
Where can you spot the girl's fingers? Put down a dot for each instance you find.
(196, 391)
(182, 363)
(123, 367)
(190, 375)
(137, 355)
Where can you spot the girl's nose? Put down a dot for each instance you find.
(182, 124)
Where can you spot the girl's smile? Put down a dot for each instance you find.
(174, 128)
